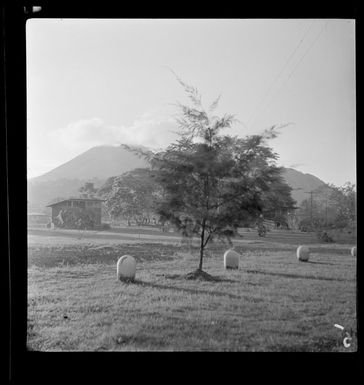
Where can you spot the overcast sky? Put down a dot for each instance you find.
(101, 82)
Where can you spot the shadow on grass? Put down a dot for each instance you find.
(215, 278)
(321, 263)
(328, 250)
(298, 276)
(187, 290)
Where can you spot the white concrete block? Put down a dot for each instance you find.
(353, 251)
(126, 268)
(303, 253)
(231, 259)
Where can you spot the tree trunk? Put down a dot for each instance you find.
(202, 244)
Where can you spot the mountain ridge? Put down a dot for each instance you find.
(101, 162)
(96, 162)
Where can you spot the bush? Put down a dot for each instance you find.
(324, 237)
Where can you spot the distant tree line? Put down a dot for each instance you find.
(331, 207)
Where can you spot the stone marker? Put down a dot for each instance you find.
(126, 267)
(303, 253)
(231, 259)
(353, 251)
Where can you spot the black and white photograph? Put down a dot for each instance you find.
(191, 185)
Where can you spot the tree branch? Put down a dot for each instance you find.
(207, 239)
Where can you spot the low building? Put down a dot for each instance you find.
(82, 213)
(38, 219)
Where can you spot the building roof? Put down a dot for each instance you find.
(77, 199)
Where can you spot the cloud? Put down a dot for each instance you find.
(149, 131)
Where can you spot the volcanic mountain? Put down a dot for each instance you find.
(98, 162)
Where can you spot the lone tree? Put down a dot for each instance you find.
(211, 182)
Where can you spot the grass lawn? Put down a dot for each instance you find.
(272, 303)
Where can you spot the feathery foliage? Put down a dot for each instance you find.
(212, 182)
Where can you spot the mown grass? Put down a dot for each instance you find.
(272, 303)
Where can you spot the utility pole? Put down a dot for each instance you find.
(311, 193)
(293, 213)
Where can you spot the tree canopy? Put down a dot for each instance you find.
(130, 195)
(278, 202)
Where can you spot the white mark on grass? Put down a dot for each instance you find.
(346, 336)
(339, 326)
